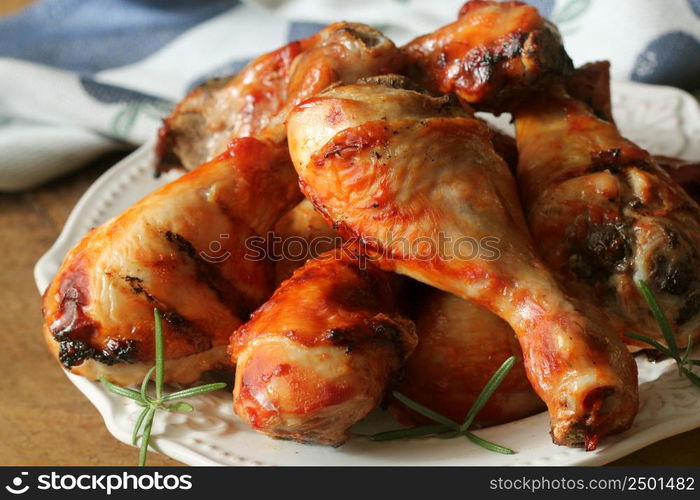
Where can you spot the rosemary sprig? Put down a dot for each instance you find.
(448, 428)
(685, 364)
(151, 405)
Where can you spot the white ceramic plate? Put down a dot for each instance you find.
(664, 120)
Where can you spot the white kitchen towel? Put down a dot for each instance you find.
(78, 78)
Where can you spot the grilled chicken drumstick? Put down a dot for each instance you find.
(685, 173)
(256, 101)
(320, 354)
(404, 171)
(491, 54)
(303, 234)
(98, 310)
(460, 345)
(605, 215)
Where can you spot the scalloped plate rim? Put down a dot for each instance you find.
(111, 408)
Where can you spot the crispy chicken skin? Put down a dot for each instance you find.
(491, 54)
(590, 83)
(460, 345)
(685, 173)
(604, 215)
(320, 354)
(404, 171)
(303, 234)
(98, 311)
(256, 101)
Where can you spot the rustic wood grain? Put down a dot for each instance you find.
(8, 7)
(44, 419)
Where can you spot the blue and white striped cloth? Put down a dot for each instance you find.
(79, 77)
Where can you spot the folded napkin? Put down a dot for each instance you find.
(79, 78)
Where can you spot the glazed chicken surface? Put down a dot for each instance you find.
(400, 178)
(256, 101)
(320, 354)
(303, 234)
(493, 53)
(685, 173)
(100, 332)
(460, 345)
(604, 215)
(590, 83)
(394, 166)
(98, 311)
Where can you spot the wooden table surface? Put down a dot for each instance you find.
(44, 419)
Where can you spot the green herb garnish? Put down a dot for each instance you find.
(448, 428)
(151, 405)
(685, 364)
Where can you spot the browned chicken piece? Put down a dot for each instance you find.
(256, 101)
(490, 55)
(605, 215)
(181, 249)
(590, 83)
(460, 345)
(320, 354)
(414, 177)
(301, 234)
(685, 173)
(505, 147)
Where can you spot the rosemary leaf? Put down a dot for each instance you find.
(656, 345)
(146, 437)
(426, 412)
(488, 444)
(139, 423)
(448, 435)
(151, 405)
(487, 391)
(160, 361)
(424, 430)
(194, 391)
(693, 377)
(688, 349)
(121, 391)
(144, 384)
(685, 365)
(180, 406)
(450, 429)
(660, 317)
